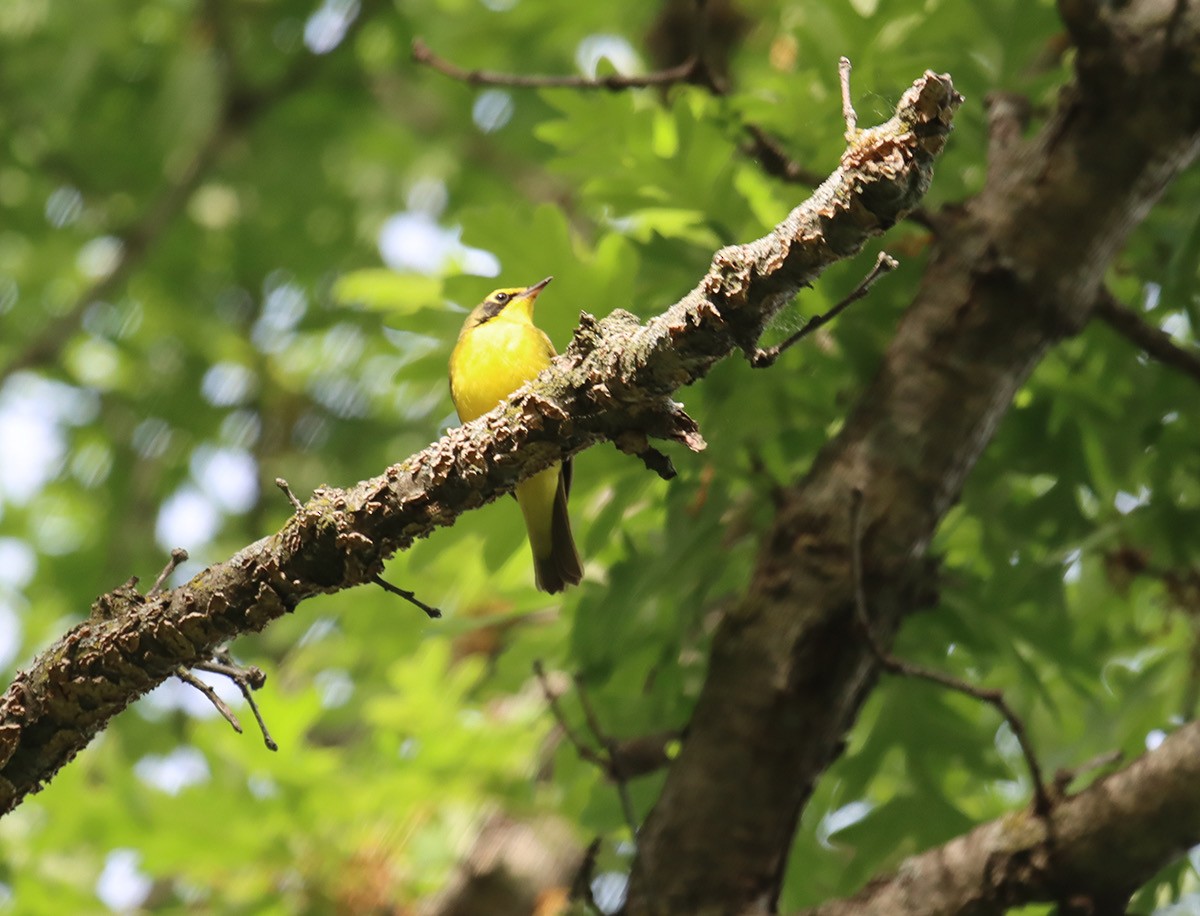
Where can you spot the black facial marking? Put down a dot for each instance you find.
(492, 306)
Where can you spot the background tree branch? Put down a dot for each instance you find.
(239, 108)
(1155, 342)
(1017, 271)
(1094, 850)
(613, 380)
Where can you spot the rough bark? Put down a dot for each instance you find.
(1014, 271)
(1089, 855)
(612, 383)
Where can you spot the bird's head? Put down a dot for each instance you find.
(512, 303)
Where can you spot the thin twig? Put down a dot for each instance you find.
(994, 698)
(884, 264)
(581, 884)
(646, 754)
(768, 152)
(431, 612)
(1156, 343)
(248, 679)
(287, 491)
(848, 113)
(923, 218)
(773, 159)
(188, 678)
(582, 748)
(683, 73)
(610, 747)
(609, 761)
(178, 555)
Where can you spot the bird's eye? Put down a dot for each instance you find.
(501, 297)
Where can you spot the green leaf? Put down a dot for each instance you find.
(382, 290)
(1183, 272)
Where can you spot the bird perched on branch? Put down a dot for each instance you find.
(499, 349)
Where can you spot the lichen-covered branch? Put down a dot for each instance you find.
(1095, 849)
(613, 380)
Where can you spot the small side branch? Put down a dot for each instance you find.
(609, 761)
(695, 70)
(849, 115)
(638, 445)
(582, 748)
(773, 159)
(287, 491)
(686, 72)
(1157, 344)
(178, 555)
(1041, 798)
(610, 748)
(431, 612)
(220, 705)
(248, 679)
(885, 263)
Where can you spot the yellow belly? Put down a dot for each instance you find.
(492, 361)
(488, 364)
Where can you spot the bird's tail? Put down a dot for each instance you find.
(560, 567)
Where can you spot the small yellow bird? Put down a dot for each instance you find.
(499, 349)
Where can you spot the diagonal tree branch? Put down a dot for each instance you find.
(1095, 849)
(614, 378)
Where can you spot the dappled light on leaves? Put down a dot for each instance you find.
(237, 243)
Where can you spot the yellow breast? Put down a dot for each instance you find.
(492, 361)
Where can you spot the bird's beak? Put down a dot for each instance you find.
(531, 292)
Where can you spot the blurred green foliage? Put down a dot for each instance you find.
(261, 332)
